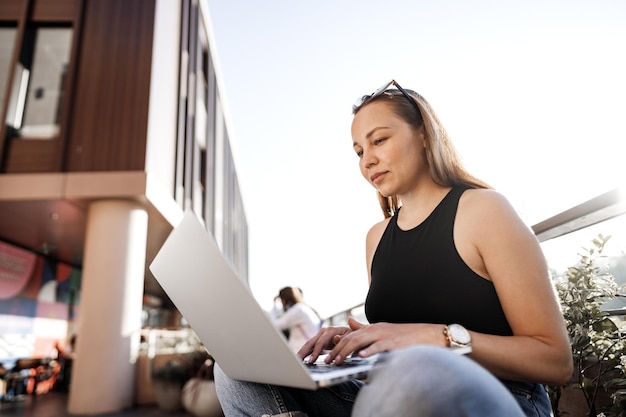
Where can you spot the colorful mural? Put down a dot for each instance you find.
(39, 300)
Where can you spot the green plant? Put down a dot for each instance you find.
(598, 343)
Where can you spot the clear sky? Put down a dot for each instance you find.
(533, 94)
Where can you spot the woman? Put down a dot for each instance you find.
(300, 320)
(451, 265)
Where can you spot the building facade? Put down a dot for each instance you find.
(114, 126)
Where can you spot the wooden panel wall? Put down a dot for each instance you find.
(53, 10)
(42, 10)
(110, 109)
(12, 9)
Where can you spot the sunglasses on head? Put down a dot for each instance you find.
(364, 99)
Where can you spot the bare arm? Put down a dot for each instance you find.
(494, 241)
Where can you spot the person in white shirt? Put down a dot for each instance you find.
(298, 319)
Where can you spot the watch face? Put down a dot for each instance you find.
(459, 334)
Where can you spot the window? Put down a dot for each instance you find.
(39, 83)
(7, 42)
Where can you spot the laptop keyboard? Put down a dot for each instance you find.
(321, 367)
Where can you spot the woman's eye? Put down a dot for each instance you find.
(378, 141)
(359, 153)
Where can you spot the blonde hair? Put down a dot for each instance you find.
(444, 163)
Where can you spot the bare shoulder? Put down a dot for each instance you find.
(486, 227)
(371, 242)
(484, 196)
(487, 217)
(485, 203)
(376, 232)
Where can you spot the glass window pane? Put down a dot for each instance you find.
(39, 83)
(7, 43)
(45, 92)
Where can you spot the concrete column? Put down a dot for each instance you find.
(103, 377)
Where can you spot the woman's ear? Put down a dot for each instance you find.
(421, 134)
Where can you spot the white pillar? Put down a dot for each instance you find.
(103, 376)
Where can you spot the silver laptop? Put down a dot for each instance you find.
(230, 323)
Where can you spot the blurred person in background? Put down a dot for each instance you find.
(296, 319)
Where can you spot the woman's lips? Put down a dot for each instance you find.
(377, 177)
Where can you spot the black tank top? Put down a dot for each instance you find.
(418, 277)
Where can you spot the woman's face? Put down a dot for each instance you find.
(391, 153)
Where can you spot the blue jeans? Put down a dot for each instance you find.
(417, 381)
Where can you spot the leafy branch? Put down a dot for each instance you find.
(597, 342)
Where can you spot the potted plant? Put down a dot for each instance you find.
(598, 384)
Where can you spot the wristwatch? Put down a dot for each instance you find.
(458, 336)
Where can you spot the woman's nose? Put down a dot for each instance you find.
(368, 160)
